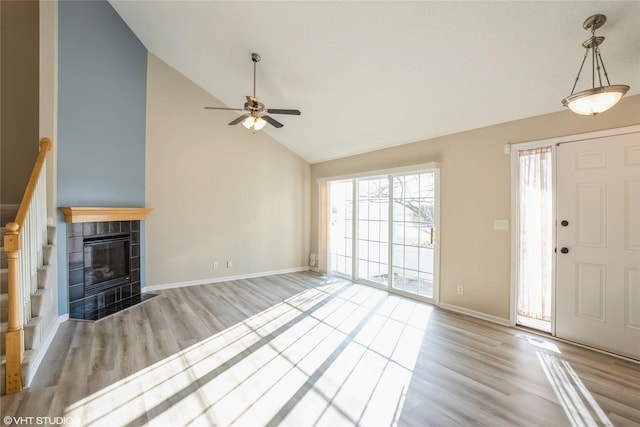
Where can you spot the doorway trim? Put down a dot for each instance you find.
(554, 142)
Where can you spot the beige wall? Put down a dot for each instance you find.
(475, 190)
(218, 192)
(48, 108)
(19, 101)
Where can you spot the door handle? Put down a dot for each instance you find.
(564, 250)
(431, 233)
(564, 223)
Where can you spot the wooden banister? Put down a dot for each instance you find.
(45, 146)
(14, 340)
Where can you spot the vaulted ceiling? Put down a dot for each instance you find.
(369, 75)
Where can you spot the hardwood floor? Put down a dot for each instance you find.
(304, 349)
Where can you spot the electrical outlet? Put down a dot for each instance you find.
(460, 290)
(229, 264)
(215, 265)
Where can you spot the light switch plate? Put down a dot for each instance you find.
(501, 224)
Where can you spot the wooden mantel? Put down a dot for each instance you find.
(92, 214)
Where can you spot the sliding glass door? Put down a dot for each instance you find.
(373, 230)
(397, 208)
(414, 222)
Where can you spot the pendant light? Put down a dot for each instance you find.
(599, 98)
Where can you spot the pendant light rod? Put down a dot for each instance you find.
(594, 60)
(606, 76)
(584, 58)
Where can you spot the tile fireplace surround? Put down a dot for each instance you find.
(103, 260)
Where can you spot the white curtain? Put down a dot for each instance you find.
(536, 233)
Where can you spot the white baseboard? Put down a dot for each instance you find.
(476, 314)
(222, 279)
(35, 363)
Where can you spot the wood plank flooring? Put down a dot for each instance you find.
(304, 350)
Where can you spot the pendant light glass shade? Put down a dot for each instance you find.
(594, 101)
(255, 123)
(597, 99)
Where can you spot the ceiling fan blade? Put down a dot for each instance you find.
(222, 108)
(281, 111)
(272, 121)
(238, 120)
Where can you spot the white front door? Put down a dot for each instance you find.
(598, 243)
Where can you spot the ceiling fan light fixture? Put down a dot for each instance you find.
(259, 124)
(597, 99)
(255, 123)
(254, 115)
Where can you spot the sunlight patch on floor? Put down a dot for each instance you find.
(578, 403)
(327, 356)
(539, 342)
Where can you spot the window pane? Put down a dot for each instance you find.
(426, 260)
(374, 210)
(411, 257)
(363, 270)
(374, 271)
(363, 210)
(384, 253)
(384, 210)
(363, 249)
(374, 230)
(398, 255)
(374, 251)
(383, 230)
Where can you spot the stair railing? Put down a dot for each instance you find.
(23, 243)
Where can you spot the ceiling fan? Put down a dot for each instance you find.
(255, 116)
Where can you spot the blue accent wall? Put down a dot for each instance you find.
(102, 89)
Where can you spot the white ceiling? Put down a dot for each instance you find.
(368, 75)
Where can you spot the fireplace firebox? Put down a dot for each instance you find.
(106, 263)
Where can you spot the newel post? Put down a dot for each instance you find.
(14, 340)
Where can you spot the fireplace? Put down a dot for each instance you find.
(104, 268)
(103, 259)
